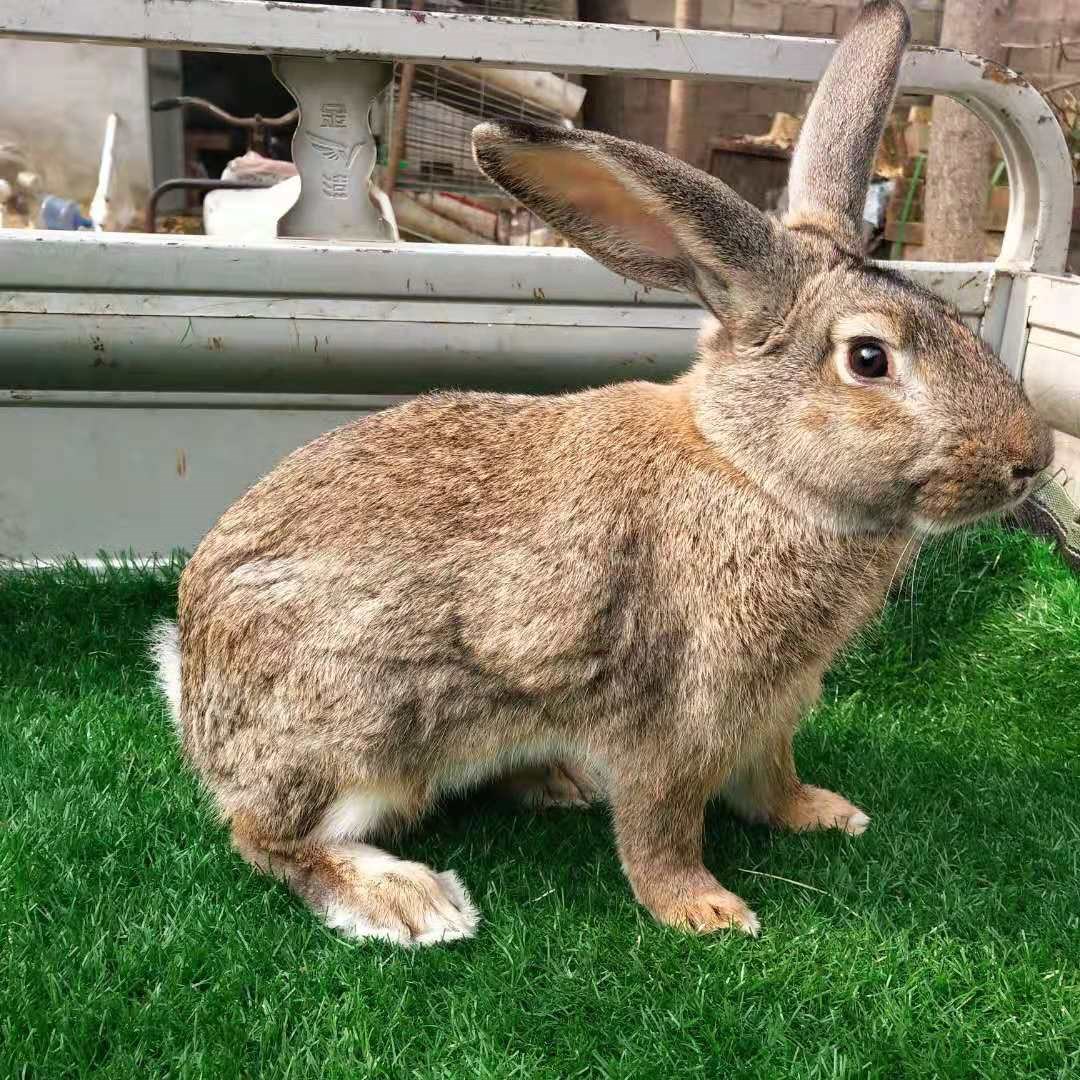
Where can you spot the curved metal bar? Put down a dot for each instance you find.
(188, 183)
(250, 123)
(1033, 144)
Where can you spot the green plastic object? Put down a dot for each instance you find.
(1050, 511)
(897, 250)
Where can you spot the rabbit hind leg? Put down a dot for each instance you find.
(354, 887)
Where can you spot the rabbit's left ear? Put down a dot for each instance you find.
(830, 170)
(641, 213)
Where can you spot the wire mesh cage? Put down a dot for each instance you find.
(436, 107)
(444, 106)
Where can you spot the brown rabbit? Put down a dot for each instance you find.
(643, 582)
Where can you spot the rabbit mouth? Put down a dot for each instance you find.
(941, 508)
(978, 477)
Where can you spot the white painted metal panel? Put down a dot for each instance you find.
(388, 356)
(132, 262)
(1051, 363)
(132, 314)
(80, 481)
(129, 467)
(1054, 302)
(1052, 377)
(115, 351)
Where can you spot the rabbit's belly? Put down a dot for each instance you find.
(459, 774)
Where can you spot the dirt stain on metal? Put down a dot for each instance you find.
(101, 358)
(181, 463)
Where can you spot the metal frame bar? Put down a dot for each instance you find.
(134, 262)
(1034, 148)
(346, 318)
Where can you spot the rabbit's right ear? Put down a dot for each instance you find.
(641, 213)
(830, 170)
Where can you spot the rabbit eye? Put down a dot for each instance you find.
(868, 359)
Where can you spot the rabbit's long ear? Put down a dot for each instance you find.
(641, 213)
(830, 171)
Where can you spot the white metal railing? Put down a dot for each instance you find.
(1034, 148)
(36, 266)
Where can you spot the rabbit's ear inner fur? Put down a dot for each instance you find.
(641, 213)
(830, 170)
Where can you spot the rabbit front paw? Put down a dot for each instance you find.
(708, 911)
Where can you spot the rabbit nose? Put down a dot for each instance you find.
(1021, 474)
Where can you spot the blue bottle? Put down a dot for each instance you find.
(60, 213)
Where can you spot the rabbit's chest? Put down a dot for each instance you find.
(777, 610)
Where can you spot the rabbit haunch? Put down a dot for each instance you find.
(635, 589)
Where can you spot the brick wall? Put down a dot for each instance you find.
(747, 108)
(730, 108)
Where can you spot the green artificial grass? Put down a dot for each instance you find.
(944, 942)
